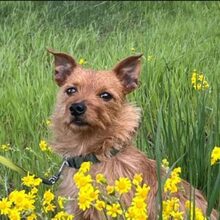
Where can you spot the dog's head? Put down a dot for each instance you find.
(90, 99)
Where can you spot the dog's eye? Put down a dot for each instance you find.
(71, 90)
(106, 96)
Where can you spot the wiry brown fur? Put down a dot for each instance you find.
(110, 124)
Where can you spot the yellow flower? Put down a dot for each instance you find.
(138, 208)
(14, 214)
(85, 167)
(100, 205)
(114, 210)
(21, 200)
(44, 146)
(49, 207)
(60, 201)
(84, 201)
(201, 77)
(133, 49)
(171, 184)
(165, 164)
(33, 216)
(82, 61)
(63, 216)
(177, 215)
(215, 156)
(110, 189)
(198, 81)
(92, 193)
(5, 206)
(5, 147)
(141, 216)
(86, 196)
(139, 203)
(137, 179)
(143, 191)
(122, 185)
(31, 180)
(134, 213)
(82, 180)
(33, 191)
(131, 213)
(100, 178)
(48, 197)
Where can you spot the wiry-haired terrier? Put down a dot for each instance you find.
(92, 117)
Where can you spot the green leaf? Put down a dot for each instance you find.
(8, 163)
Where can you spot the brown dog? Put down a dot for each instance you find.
(93, 116)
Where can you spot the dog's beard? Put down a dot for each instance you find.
(89, 121)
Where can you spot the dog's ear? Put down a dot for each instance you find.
(128, 71)
(64, 65)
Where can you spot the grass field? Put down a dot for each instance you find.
(178, 121)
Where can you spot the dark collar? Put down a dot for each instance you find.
(75, 162)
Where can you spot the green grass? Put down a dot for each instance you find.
(182, 36)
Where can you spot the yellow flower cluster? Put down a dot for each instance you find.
(5, 147)
(18, 204)
(31, 180)
(171, 205)
(171, 209)
(44, 146)
(97, 193)
(48, 201)
(88, 194)
(107, 198)
(138, 208)
(171, 184)
(215, 156)
(23, 204)
(198, 81)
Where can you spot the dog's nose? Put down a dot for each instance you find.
(77, 109)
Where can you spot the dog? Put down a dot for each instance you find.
(92, 116)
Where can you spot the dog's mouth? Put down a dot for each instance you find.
(79, 122)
